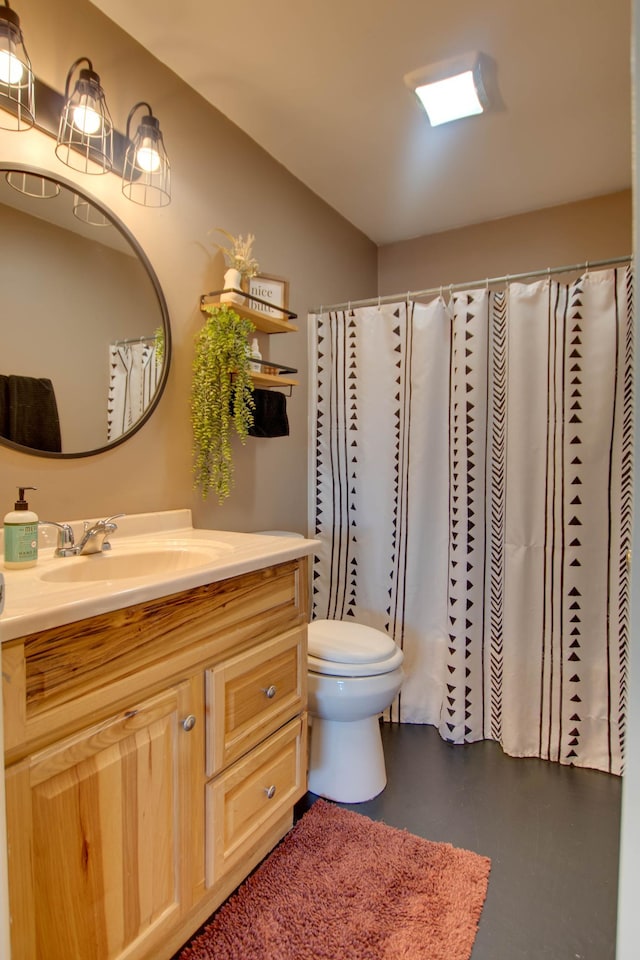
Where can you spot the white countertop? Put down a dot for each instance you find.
(34, 602)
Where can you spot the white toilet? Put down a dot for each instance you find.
(354, 674)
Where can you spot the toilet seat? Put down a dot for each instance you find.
(341, 649)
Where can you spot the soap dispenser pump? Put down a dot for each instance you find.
(21, 534)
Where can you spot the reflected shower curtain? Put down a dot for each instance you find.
(472, 473)
(134, 374)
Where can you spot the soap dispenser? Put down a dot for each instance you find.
(21, 534)
(254, 354)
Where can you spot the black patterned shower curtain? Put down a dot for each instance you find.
(472, 469)
(134, 375)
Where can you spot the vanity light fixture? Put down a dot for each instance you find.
(85, 134)
(451, 89)
(146, 178)
(16, 75)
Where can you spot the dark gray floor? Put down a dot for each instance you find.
(552, 833)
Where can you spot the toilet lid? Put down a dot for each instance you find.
(332, 668)
(341, 642)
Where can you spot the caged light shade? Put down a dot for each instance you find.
(32, 184)
(85, 134)
(146, 178)
(86, 211)
(16, 75)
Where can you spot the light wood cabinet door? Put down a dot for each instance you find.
(96, 824)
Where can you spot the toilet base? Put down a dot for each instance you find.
(346, 760)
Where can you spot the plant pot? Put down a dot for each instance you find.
(232, 279)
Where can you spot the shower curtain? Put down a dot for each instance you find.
(472, 472)
(134, 374)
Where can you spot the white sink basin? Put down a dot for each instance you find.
(152, 561)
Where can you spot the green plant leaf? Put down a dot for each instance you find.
(221, 397)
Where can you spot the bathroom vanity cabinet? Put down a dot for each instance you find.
(152, 758)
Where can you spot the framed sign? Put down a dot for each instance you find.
(273, 291)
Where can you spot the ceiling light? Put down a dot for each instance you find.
(451, 89)
(146, 178)
(85, 135)
(16, 75)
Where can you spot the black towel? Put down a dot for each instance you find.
(31, 413)
(270, 414)
(4, 406)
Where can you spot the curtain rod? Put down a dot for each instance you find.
(454, 287)
(126, 340)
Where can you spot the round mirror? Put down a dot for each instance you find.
(85, 341)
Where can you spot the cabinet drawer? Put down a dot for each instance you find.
(56, 678)
(251, 695)
(247, 799)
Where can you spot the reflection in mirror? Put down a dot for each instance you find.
(84, 329)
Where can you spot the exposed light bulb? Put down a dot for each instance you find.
(11, 68)
(148, 158)
(86, 119)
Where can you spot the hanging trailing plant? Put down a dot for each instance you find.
(221, 397)
(160, 346)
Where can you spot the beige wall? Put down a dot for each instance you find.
(220, 178)
(593, 229)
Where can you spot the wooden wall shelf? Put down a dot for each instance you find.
(264, 380)
(263, 322)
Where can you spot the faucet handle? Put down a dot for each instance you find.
(101, 524)
(110, 527)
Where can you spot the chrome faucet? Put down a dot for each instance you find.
(94, 538)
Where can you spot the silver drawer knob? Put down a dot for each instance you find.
(189, 722)
(269, 692)
(270, 791)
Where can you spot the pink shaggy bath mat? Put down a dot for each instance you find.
(343, 887)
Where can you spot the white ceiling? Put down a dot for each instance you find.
(320, 86)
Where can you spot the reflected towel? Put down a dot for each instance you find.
(29, 413)
(270, 414)
(4, 406)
